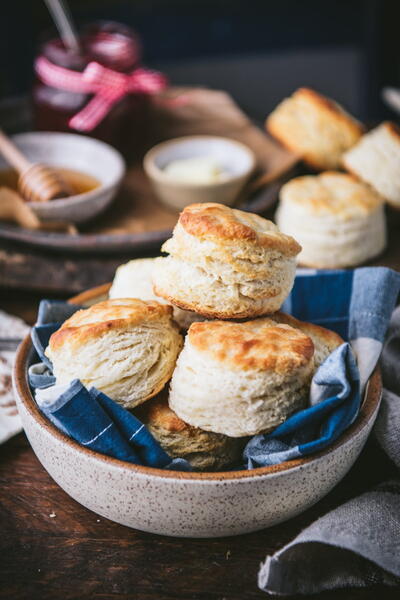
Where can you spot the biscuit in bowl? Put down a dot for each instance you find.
(376, 160)
(338, 220)
(135, 280)
(225, 263)
(325, 341)
(314, 127)
(242, 379)
(204, 450)
(127, 348)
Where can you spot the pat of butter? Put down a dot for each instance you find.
(199, 169)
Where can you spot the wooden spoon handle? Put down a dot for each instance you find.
(12, 155)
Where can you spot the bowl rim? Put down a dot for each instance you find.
(369, 405)
(153, 171)
(78, 198)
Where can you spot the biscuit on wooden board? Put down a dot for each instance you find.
(375, 159)
(315, 127)
(338, 220)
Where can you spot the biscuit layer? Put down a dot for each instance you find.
(126, 348)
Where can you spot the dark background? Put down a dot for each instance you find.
(259, 50)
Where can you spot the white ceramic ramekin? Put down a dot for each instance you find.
(236, 158)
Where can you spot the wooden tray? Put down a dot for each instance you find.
(136, 221)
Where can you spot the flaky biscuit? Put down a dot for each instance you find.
(226, 263)
(127, 348)
(375, 159)
(314, 127)
(325, 341)
(241, 379)
(135, 280)
(204, 450)
(338, 220)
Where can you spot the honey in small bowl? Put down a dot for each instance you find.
(80, 183)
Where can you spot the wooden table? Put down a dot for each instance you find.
(51, 547)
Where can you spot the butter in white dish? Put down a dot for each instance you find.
(197, 169)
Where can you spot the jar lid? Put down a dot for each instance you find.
(112, 44)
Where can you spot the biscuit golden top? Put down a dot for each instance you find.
(105, 316)
(323, 104)
(322, 107)
(331, 193)
(314, 127)
(157, 413)
(331, 339)
(218, 222)
(391, 128)
(261, 344)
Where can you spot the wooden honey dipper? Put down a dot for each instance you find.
(36, 182)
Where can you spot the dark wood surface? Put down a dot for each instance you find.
(52, 548)
(78, 555)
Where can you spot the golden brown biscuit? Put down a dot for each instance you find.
(135, 280)
(241, 378)
(338, 220)
(226, 263)
(204, 450)
(375, 159)
(125, 347)
(314, 127)
(325, 341)
(261, 345)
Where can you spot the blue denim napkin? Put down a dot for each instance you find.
(357, 305)
(89, 416)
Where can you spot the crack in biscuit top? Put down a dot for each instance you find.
(118, 313)
(214, 222)
(261, 345)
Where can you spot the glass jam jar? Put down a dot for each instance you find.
(114, 46)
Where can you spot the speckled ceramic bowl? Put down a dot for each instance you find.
(187, 504)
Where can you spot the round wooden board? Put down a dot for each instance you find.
(135, 222)
(85, 243)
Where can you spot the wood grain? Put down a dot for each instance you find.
(76, 554)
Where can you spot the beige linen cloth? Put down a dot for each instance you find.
(12, 330)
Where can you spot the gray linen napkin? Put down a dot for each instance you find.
(357, 544)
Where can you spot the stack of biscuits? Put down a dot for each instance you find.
(206, 319)
(337, 217)
(194, 342)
